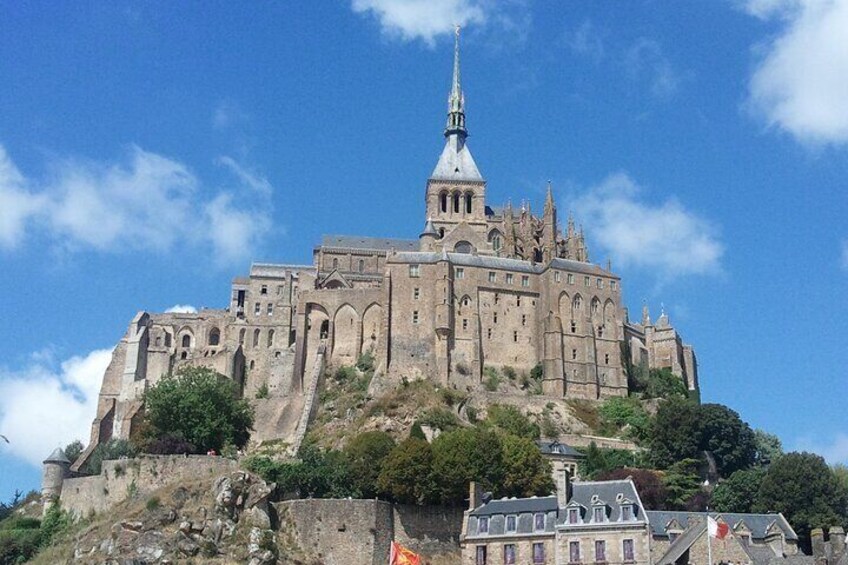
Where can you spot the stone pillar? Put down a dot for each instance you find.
(817, 539)
(837, 541)
(553, 383)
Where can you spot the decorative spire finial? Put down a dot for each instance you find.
(456, 100)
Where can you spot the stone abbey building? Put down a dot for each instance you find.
(480, 287)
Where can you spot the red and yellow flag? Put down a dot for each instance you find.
(399, 555)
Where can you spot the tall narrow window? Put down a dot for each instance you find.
(459, 273)
(456, 203)
(573, 515)
(538, 553)
(214, 336)
(523, 320)
(257, 309)
(186, 340)
(627, 550)
(241, 336)
(509, 278)
(464, 323)
(574, 552)
(509, 554)
(570, 278)
(489, 333)
(443, 202)
(270, 338)
(270, 309)
(335, 263)
(518, 300)
(587, 281)
(600, 551)
(510, 523)
(483, 525)
(416, 293)
(598, 514)
(573, 327)
(495, 317)
(606, 358)
(515, 337)
(256, 338)
(573, 354)
(493, 276)
(361, 266)
(481, 555)
(525, 281)
(414, 271)
(415, 317)
(557, 276)
(539, 522)
(468, 200)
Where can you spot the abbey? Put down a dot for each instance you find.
(480, 287)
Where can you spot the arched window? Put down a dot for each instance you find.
(596, 306)
(443, 202)
(325, 329)
(256, 338)
(463, 247)
(496, 240)
(184, 355)
(578, 303)
(186, 340)
(167, 339)
(270, 338)
(456, 203)
(241, 336)
(468, 200)
(441, 233)
(214, 336)
(335, 263)
(361, 266)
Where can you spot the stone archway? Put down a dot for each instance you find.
(345, 336)
(372, 324)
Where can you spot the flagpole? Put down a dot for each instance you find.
(709, 544)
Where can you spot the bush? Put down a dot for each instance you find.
(345, 374)
(510, 420)
(262, 391)
(319, 474)
(624, 414)
(111, 450)
(416, 432)
(152, 503)
(451, 396)
(170, 445)
(365, 453)
(73, 450)
(600, 460)
(464, 455)
(491, 379)
(365, 363)
(440, 419)
(199, 405)
(537, 372)
(471, 414)
(407, 473)
(509, 373)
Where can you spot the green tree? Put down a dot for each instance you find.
(112, 449)
(730, 440)
(526, 471)
(649, 485)
(73, 450)
(682, 483)
(662, 383)
(601, 460)
(624, 414)
(406, 476)
(365, 454)
(738, 492)
(510, 420)
(840, 471)
(805, 490)
(416, 432)
(768, 447)
(675, 432)
(465, 455)
(319, 474)
(198, 405)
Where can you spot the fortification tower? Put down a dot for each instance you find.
(56, 468)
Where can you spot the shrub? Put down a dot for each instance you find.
(112, 449)
(618, 413)
(471, 414)
(510, 420)
(170, 445)
(262, 391)
(451, 396)
(345, 374)
(416, 432)
(152, 503)
(537, 372)
(548, 428)
(365, 363)
(509, 373)
(365, 453)
(440, 419)
(491, 379)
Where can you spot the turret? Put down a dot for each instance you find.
(429, 236)
(55, 469)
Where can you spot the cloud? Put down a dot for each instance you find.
(181, 309)
(587, 41)
(423, 19)
(645, 60)
(142, 202)
(663, 237)
(843, 259)
(834, 451)
(43, 407)
(800, 83)
(228, 114)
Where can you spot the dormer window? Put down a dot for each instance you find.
(511, 522)
(573, 516)
(598, 514)
(483, 525)
(539, 522)
(626, 511)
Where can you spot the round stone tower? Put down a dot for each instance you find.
(56, 468)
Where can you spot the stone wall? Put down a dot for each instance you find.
(141, 476)
(359, 532)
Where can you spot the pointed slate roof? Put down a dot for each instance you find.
(456, 162)
(58, 456)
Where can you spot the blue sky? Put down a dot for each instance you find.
(150, 151)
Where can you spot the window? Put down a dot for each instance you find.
(577, 303)
(539, 522)
(483, 525)
(270, 338)
(167, 339)
(481, 555)
(573, 327)
(335, 263)
(459, 273)
(574, 552)
(601, 334)
(518, 300)
(627, 550)
(257, 309)
(415, 317)
(280, 289)
(587, 281)
(464, 324)
(493, 276)
(186, 340)
(523, 320)
(525, 281)
(497, 297)
(496, 242)
(600, 283)
(214, 336)
(241, 336)
(510, 523)
(509, 554)
(466, 301)
(600, 551)
(570, 278)
(489, 333)
(264, 289)
(573, 354)
(468, 200)
(596, 306)
(416, 293)
(270, 309)
(612, 285)
(509, 278)
(538, 553)
(443, 202)
(256, 338)
(515, 337)
(414, 271)
(557, 276)
(598, 514)
(573, 516)
(361, 265)
(627, 512)
(606, 358)
(495, 318)
(456, 203)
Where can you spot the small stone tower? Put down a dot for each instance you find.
(56, 468)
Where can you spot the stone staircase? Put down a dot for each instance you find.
(309, 399)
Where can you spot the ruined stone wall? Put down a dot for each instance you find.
(135, 477)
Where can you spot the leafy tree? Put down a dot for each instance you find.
(170, 445)
(600, 460)
(730, 440)
(526, 471)
(365, 454)
(465, 455)
(510, 420)
(768, 447)
(440, 419)
(319, 474)
(675, 432)
(840, 471)
(660, 383)
(73, 450)
(805, 490)
(112, 449)
(682, 483)
(200, 406)
(624, 413)
(406, 476)
(738, 492)
(649, 485)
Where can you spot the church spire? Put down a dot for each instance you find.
(456, 100)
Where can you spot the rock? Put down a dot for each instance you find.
(187, 546)
(185, 527)
(134, 526)
(213, 530)
(151, 544)
(257, 517)
(257, 495)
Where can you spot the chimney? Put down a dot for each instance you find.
(475, 495)
(817, 539)
(837, 541)
(564, 488)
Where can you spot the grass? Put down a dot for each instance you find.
(586, 411)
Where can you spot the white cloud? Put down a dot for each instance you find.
(645, 60)
(587, 40)
(181, 309)
(423, 19)
(143, 202)
(42, 408)
(800, 84)
(228, 114)
(834, 451)
(664, 237)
